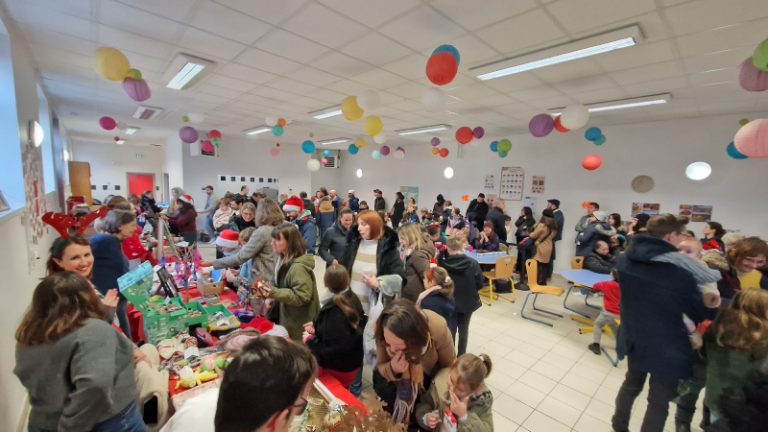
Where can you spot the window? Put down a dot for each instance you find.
(12, 180)
(44, 118)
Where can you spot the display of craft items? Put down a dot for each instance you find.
(189, 378)
(335, 417)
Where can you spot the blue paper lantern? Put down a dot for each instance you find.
(307, 146)
(494, 146)
(449, 48)
(599, 140)
(278, 130)
(734, 152)
(593, 133)
(326, 152)
(352, 149)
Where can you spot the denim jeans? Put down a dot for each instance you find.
(127, 420)
(660, 394)
(357, 385)
(462, 319)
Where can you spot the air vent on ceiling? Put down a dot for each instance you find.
(144, 112)
(332, 160)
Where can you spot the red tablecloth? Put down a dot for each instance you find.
(335, 387)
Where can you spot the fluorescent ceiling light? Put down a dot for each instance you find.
(184, 70)
(593, 45)
(333, 141)
(120, 142)
(424, 129)
(130, 130)
(657, 99)
(257, 130)
(326, 112)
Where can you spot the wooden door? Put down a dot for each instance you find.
(80, 180)
(138, 183)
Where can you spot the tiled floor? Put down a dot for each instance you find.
(544, 378)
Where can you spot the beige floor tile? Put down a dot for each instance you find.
(570, 396)
(538, 381)
(511, 408)
(525, 393)
(587, 423)
(539, 422)
(552, 371)
(559, 411)
(583, 385)
(508, 367)
(521, 357)
(600, 410)
(500, 380)
(501, 423)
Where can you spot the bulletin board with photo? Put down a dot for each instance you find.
(269, 186)
(512, 182)
(696, 212)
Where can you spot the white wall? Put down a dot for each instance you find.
(110, 164)
(661, 150)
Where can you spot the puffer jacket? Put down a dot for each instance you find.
(585, 241)
(599, 263)
(306, 224)
(333, 244)
(296, 293)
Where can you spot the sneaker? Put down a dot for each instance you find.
(594, 347)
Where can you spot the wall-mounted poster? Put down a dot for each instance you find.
(530, 201)
(410, 191)
(232, 183)
(537, 186)
(647, 208)
(512, 181)
(696, 212)
(490, 182)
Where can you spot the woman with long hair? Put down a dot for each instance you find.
(416, 252)
(245, 218)
(398, 210)
(76, 367)
(543, 235)
(182, 221)
(293, 286)
(713, 235)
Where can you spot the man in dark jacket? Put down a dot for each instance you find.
(554, 206)
(477, 211)
(654, 297)
(334, 241)
(597, 229)
(496, 216)
(600, 259)
(353, 202)
(307, 203)
(467, 281)
(379, 204)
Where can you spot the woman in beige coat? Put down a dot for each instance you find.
(543, 234)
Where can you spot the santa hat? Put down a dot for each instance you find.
(187, 198)
(228, 239)
(293, 203)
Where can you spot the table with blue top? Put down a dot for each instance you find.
(485, 257)
(581, 278)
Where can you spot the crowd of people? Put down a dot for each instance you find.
(401, 293)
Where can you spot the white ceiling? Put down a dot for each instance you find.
(290, 57)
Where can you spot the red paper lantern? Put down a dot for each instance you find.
(137, 89)
(591, 162)
(464, 135)
(107, 123)
(214, 134)
(442, 68)
(559, 126)
(444, 152)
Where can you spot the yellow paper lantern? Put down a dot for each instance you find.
(360, 142)
(350, 109)
(373, 125)
(111, 63)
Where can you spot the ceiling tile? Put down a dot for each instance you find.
(328, 96)
(422, 28)
(705, 15)
(585, 14)
(78, 8)
(138, 21)
(514, 82)
(272, 12)
(230, 83)
(41, 17)
(535, 93)
(206, 86)
(729, 59)
(602, 95)
(120, 39)
(520, 32)
(288, 85)
(411, 66)
(585, 84)
(228, 23)
(474, 17)
(341, 64)
(410, 90)
(245, 73)
(724, 38)
(649, 73)
(379, 78)
(60, 42)
(544, 104)
(318, 23)
(714, 76)
(371, 14)
(210, 44)
(267, 61)
(375, 49)
(177, 10)
(657, 86)
(310, 75)
(568, 71)
(639, 55)
(290, 46)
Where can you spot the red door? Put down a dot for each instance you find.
(139, 183)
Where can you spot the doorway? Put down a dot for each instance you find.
(138, 183)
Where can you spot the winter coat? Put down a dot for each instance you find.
(325, 220)
(296, 293)
(410, 217)
(544, 239)
(582, 224)
(560, 220)
(729, 284)
(496, 216)
(149, 206)
(308, 205)
(416, 264)
(492, 245)
(379, 204)
(184, 221)
(398, 212)
(333, 244)
(337, 345)
(599, 263)
(109, 263)
(258, 250)
(306, 224)
(238, 223)
(354, 204)
(654, 297)
(524, 227)
(467, 281)
(387, 252)
(443, 306)
(611, 295)
(585, 241)
(479, 408)
(476, 212)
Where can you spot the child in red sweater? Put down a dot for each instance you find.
(610, 312)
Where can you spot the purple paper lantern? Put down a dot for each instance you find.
(751, 78)
(541, 125)
(188, 134)
(478, 132)
(137, 89)
(435, 142)
(384, 150)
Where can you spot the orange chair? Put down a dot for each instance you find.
(532, 269)
(577, 262)
(504, 269)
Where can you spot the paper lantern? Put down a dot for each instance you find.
(308, 146)
(435, 150)
(111, 63)
(494, 146)
(449, 49)
(185, 118)
(448, 172)
(122, 125)
(270, 121)
(503, 154)
(478, 132)
(137, 89)
(464, 135)
(574, 116)
(600, 140)
(559, 125)
(359, 173)
(324, 161)
(444, 152)
(352, 149)
(385, 150)
(313, 165)
(505, 145)
(117, 138)
(376, 155)
(207, 147)
(733, 152)
(373, 125)
(698, 171)
(360, 142)
(213, 133)
(381, 138)
(368, 100)
(277, 130)
(281, 122)
(465, 198)
(435, 141)
(541, 125)
(326, 152)
(107, 123)
(591, 162)
(593, 133)
(752, 138)
(760, 56)
(433, 99)
(188, 134)
(400, 153)
(743, 121)
(133, 73)
(752, 78)
(442, 68)
(350, 109)
(274, 151)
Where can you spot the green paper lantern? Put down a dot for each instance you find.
(760, 56)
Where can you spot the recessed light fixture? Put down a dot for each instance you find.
(145, 112)
(120, 142)
(448, 172)
(359, 173)
(325, 113)
(333, 141)
(698, 171)
(185, 70)
(257, 130)
(586, 47)
(424, 129)
(130, 130)
(657, 99)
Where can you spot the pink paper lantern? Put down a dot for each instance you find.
(137, 89)
(207, 147)
(752, 139)
(752, 78)
(324, 161)
(274, 151)
(107, 123)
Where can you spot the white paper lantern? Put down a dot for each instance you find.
(433, 99)
(368, 100)
(574, 116)
(400, 153)
(270, 121)
(448, 172)
(698, 171)
(195, 117)
(313, 165)
(381, 138)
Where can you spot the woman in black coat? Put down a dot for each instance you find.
(398, 210)
(334, 241)
(467, 281)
